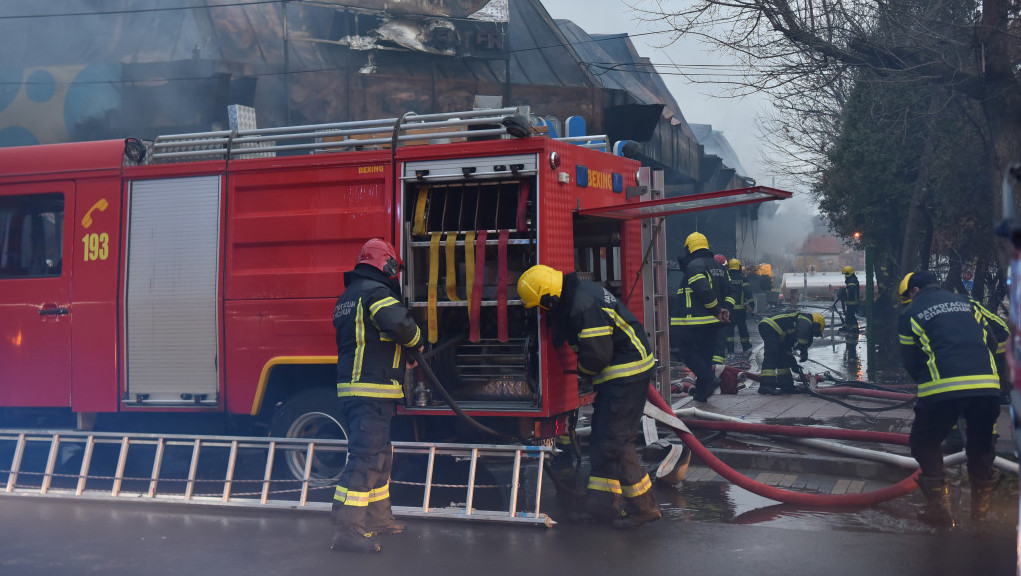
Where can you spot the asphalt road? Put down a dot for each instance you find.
(46, 537)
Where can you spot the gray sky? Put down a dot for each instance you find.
(700, 103)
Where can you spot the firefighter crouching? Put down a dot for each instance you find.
(948, 349)
(373, 329)
(613, 351)
(780, 335)
(698, 311)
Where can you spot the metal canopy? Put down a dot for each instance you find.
(691, 203)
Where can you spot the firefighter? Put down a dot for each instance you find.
(948, 349)
(850, 296)
(720, 350)
(374, 329)
(741, 296)
(614, 353)
(782, 333)
(699, 311)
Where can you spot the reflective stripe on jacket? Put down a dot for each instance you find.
(947, 346)
(852, 290)
(703, 291)
(996, 325)
(609, 340)
(794, 329)
(740, 290)
(373, 327)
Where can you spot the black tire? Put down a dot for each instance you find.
(311, 414)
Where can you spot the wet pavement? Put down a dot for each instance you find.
(46, 537)
(709, 526)
(704, 495)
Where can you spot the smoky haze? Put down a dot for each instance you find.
(781, 237)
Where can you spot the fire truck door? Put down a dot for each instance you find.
(35, 294)
(170, 302)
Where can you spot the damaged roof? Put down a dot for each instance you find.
(716, 144)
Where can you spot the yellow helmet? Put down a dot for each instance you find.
(540, 286)
(848, 270)
(819, 323)
(903, 288)
(734, 264)
(696, 241)
(919, 280)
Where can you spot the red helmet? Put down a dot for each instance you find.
(721, 259)
(380, 254)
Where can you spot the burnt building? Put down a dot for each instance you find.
(85, 69)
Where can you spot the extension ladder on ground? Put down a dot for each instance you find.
(458, 481)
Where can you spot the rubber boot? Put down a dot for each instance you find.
(391, 526)
(351, 535)
(769, 386)
(346, 540)
(599, 507)
(379, 519)
(937, 511)
(981, 496)
(637, 511)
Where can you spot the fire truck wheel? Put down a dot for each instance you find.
(311, 414)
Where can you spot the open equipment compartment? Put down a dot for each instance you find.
(469, 232)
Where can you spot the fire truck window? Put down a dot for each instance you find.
(31, 235)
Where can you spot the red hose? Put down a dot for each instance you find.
(801, 431)
(853, 391)
(905, 486)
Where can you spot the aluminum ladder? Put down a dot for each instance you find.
(247, 471)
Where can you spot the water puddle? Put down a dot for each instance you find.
(724, 502)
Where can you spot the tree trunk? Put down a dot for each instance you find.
(914, 228)
(1001, 101)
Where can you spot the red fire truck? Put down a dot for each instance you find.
(197, 273)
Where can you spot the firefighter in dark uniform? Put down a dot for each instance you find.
(782, 333)
(720, 351)
(850, 296)
(613, 351)
(741, 296)
(698, 312)
(374, 329)
(947, 348)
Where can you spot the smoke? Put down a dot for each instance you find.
(781, 237)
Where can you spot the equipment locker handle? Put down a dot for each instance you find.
(53, 310)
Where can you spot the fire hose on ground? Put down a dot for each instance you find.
(658, 409)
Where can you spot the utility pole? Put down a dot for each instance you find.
(869, 272)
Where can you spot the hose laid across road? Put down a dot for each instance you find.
(658, 409)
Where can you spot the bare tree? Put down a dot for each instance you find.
(802, 51)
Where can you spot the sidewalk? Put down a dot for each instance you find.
(780, 461)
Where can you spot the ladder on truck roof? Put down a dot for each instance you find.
(411, 128)
(246, 471)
